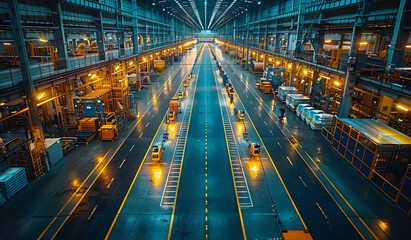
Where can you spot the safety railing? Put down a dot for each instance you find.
(12, 77)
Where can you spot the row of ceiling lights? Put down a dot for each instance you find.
(220, 21)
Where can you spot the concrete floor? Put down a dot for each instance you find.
(113, 189)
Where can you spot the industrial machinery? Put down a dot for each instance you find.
(185, 83)
(80, 51)
(156, 154)
(92, 48)
(254, 149)
(271, 80)
(241, 114)
(180, 95)
(171, 116)
(159, 66)
(256, 67)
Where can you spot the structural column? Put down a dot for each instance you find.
(59, 36)
(100, 37)
(299, 47)
(34, 121)
(400, 36)
(292, 75)
(120, 30)
(135, 27)
(352, 66)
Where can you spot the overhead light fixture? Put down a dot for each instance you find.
(336, 83)
(131, 63)
(94, 75)
(363, 43)
(408, 46)
(2, 104)
(277, 62)
(43, 40)
(41, 95)
(327, 40)
(117, 67)
(402, 108)
(7, 44)
(305, 72)
(289, 65)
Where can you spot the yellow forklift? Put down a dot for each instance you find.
(171, 116)
(241, 115)
(185, 83)
(180, 95)
(254, 149)
(156, 154)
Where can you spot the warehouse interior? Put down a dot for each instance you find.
(205, 119)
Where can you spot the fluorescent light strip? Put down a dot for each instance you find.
(217, 6)
(193, 5)
(225, 11)
(188, 15)
(205, 13)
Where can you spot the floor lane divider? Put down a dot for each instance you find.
(182, 161)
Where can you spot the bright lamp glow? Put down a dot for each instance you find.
(402, 108)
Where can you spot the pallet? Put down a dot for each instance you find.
(12, 181)
(86, 139)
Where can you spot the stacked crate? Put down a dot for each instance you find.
(12, 181)
(88, 124)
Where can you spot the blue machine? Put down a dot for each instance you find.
(89, 108)
(275, 76)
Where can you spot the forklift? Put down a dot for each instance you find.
(241, 115)
(180, 95)
(254, 149)
(185, 83)
(156, 153)
(171, 116)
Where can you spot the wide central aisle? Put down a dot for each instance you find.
(206, 205)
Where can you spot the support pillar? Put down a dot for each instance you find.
(352, 66)
(60, 38)
(135, 27)
(400, 36)
(292, 75)
(120, 31)
(33, 114)
(299, 46)
(101, 46)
